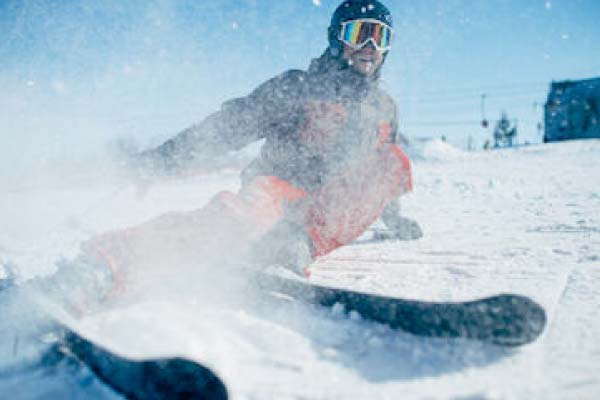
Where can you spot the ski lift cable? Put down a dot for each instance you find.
(472, 97)
(465, 108)
(453, 123)
(487, 89)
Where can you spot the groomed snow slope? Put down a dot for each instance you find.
(524, 220)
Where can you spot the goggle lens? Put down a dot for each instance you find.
(357, 33)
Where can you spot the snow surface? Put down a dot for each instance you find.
(524, 220)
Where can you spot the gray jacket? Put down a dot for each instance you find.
(314, 123)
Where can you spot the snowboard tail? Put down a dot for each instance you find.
(505, 319)
(162, 378)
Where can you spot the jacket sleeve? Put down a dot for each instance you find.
(272, 108)
(400, 228)
(396, 138)
(392, 209)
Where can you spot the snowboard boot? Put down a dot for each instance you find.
(286, 246)
(294, 256)
(85, 282)
(78, 286)
(29, 308)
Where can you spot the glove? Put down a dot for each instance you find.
(403, 229)
(398, 227)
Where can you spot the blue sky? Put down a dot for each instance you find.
(149, 68)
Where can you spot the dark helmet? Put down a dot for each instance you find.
(355, 9)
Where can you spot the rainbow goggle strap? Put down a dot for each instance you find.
(357, 33)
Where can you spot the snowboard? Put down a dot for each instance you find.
(505, 319)
(29, 321)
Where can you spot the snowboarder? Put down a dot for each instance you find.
(329, 167)
(327, 130)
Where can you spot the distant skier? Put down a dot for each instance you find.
(329, 167)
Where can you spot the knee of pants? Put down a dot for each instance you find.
(404, 169)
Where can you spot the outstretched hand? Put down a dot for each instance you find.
(145, 169)
(399, 228)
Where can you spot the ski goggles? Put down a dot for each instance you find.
(357, 33)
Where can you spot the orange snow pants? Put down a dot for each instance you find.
(230, 224)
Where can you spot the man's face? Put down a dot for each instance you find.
(365, 60)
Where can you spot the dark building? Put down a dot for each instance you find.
(573, 110)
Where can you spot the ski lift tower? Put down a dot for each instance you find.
(505, 132)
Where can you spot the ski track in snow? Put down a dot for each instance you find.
(523, 220)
